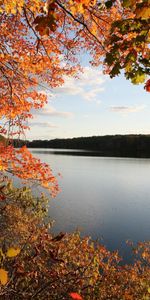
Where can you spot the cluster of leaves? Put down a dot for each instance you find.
(46, 22)
(21, 212)
(37, 265)
(129, 42)
(11, 252)
(21, 217)
(25, 166)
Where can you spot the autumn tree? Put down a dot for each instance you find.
(39, 43)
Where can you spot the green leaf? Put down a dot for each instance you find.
(131, 57)
(108, 4)
(115, 70)
(109, 59)
(115, 38)
(128, 3)
(138, 78)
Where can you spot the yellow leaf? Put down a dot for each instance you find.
(12, 252)
(3, 276)
(148, 290)
(128, 67)
(80, 8)
(94, 29)
(143, 13)
(139, 78)
(1, 168)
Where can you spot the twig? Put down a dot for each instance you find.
(80, 22)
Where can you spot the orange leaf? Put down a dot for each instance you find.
(75, 296)
(3, 276)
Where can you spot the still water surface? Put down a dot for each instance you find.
(106, 198)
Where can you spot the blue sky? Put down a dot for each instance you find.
(93, 105)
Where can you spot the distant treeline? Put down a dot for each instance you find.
(109, 145)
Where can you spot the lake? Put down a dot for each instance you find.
(105, 197)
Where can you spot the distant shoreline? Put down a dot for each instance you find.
(72, 152)
(134, 146)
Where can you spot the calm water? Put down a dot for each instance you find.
(106, 198)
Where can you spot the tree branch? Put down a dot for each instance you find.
(30, 26)
(80, 22)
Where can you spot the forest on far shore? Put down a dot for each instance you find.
(108, 145)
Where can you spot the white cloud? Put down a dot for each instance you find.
(91, 95)
(127, 109)
(98, 102)
(43, 124)
(88, 86)
(52, 112)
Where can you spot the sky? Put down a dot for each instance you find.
(92, 105)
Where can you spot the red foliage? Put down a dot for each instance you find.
(147, 85)
(75, 296)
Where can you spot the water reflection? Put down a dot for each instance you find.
(68, 152)
(106, 198)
